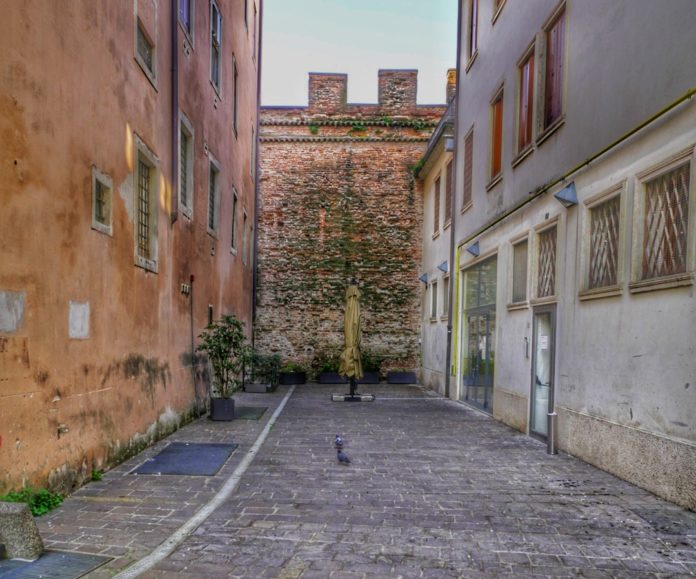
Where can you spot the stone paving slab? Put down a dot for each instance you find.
(435, 490)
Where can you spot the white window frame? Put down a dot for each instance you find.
(185, 126)
(213, 164)
(151, 74)
(675, 280)
(511, 303)
(107, 183)
(150, 159)
(585, 293)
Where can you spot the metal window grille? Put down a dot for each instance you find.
(519, 272)
(184, 168)
(100, 202)
(143, 210)
(212, 201)
(604, 243)
(145, 48)
(666, 221)
(546, 276)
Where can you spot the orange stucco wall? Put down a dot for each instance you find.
(72, 96)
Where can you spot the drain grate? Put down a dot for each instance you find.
(52, 565)
(188, 458)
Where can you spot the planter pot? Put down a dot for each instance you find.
(259, 388)
(221, 409)
(332, 378)
(402, 378)
(288, 378)
(369, 378)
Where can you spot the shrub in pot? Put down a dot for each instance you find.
(371, 363)
(328, 371)
(262, 373)
(293, 373)
(225, 344)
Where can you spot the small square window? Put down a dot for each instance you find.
(102, 191)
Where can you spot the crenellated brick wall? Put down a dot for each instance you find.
(339, 201)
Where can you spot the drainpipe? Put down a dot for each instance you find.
(256, 172)
(175, 109)
(454, 267)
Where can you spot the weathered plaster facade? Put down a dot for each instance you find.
(339, 200)
(96, 331)
(614, 361)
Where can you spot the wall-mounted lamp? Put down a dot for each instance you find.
(474, 249)
(424, 278)
(444, 267)
(568, 196)
(449, 144)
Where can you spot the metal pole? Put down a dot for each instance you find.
(551, 439)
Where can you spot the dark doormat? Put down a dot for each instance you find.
(188, 458)
(52, 565)
(249, 412)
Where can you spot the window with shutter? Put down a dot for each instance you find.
(436, 206)
(468, 168)
(526, 104)
(448, 193)
(497, 136)
(553, 86)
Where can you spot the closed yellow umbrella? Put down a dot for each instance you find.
(351, 365)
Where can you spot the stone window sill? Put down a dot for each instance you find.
(471, 60)
(512, 306)
(146, 264)
(436, 234)
(667, 282)
(494, 181)
(600, 292)
(523, 154)
(466, 206)
(550, 130)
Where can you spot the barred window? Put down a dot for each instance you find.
(666, 223)
(145, 196)
(145, 50)
(604, 243)
(546, 265)
(144, 209)
(519, 271)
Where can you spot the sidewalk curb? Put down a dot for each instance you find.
(230, 485)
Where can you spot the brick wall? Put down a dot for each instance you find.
(338, 200)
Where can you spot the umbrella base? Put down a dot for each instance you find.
(353, 398)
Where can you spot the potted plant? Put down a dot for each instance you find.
(292, 373)
(225, 344)
(371, 363)
(328, 372)
(262, 373)
(401, 376)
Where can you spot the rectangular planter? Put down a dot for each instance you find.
(402, 378)
(258, 388)
(331, 378)
(288, 378)
(369, 378)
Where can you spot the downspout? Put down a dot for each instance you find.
(174, 215)
(256, 173)
(454, 267)
(556, 180)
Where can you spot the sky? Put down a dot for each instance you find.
(357, 37)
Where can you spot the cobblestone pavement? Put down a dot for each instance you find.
(435, 490)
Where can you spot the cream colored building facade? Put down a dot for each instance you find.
(575, 229)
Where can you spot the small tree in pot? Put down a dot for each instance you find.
(226, 346)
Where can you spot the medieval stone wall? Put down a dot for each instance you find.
(339, 201)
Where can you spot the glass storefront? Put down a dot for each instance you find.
(478, 343)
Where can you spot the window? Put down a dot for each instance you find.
(215, 45)
(244, 239)
(252, 156)
(445, 296)
(213, 197)
(665, 223)
(519, 271)
(186, 16)
(433, 300)
(448, 193)
(146, 195)
(233, 243)
(468, 168)
(546, 263)
(525, 113)
(553, 75)
(246, 13)
(436, 206)
(496, 136)
(102, 189)
(472, 31)
(185, 166)
(604, 243)
(235, 94)
(145, 51)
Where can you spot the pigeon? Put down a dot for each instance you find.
(339, 441)
(342, 457)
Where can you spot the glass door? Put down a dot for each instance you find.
(543, 353)
(478, 381)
